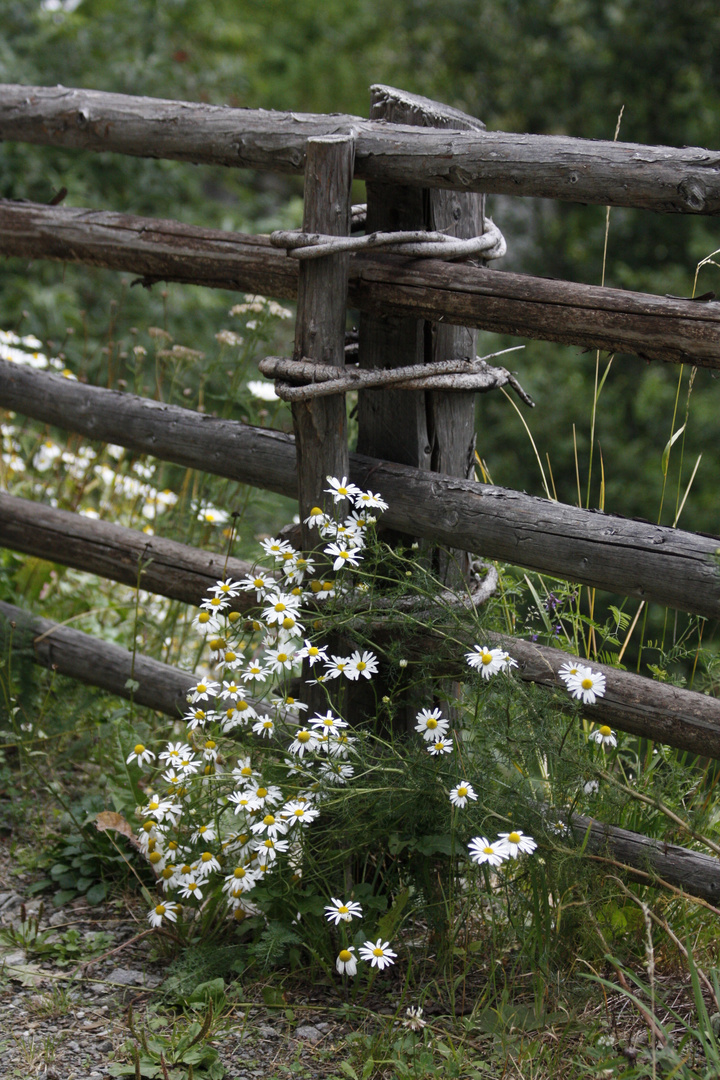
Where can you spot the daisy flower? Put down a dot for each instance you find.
(299, 812)
(461, 793)
(304, 740)
(207, 863)
(279, 605)
(260, 582)
(190, 888)
(378, 953)
(226, 588)
(242, 880)
(162, 808)
(254, 672)
(204, 832)
(205, 623)
(275, 548)
(280, 659)
(489, 661)
(203, 690)
(515, 842)
(175, 753)
(341, 489)
(328, 723)
(270, 825)
(482, 851)
(335, 772)
(266, 796)
(269, 849)
(603, 735)
(264, 726)
(317, 518)
(343, 555)
(140, 754)
(570, 669)
(587, 685)
(366, 498)
(312, 653)
(346, 964)
(338, 911)
(431, 724)
(440, 746)
(162, 911)
(336, 667)
(365, 665)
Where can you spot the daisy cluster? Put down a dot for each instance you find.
(434, 728)
(221, 817)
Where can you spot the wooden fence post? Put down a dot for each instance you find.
(430, 430)
(321, 424)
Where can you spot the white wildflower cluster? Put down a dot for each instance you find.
(434, 728)
(221, 816)
(587, 685)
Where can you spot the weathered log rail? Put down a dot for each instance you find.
(632, 703)
(658, 178)
(655, 563)
(152, 249)
(164, 688)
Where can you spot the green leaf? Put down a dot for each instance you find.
(63, 896)
(668, 447)
(348, 1070)
(96, 893)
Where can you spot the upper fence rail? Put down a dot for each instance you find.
(659, 178)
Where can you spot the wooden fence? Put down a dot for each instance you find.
(427, 167)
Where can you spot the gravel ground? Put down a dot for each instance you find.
(61, 1023)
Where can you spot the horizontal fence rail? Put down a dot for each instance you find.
(159, 686)
(652, 327)
(635, 558)
(659, 178)
(128, 556)
(632, 703)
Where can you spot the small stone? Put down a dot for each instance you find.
(311, 1033)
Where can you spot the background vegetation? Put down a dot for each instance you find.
(544, 66)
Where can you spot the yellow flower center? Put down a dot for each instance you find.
(239, 872)
(586, 684)
(378, 952)
(261, 792)
(282, 657)
(206, 856)
(139, 749)
(258, 583)
(288, 622)
(303, 736)
(342, 491)
(155, 857)
(246, 770)
(605, 731)
(344, 955)
(431, 723)
(210, 744)
(160, 909)
(279, 606)
(462, 792)
(486, 658)
(361, 665)
(269, 819)
(488, 850)
(343, 909)
(204, 617)
(514, 838)
(234, 616)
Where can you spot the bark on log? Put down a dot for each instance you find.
(692, 871)
(635, 558)
(99, 663)
(164, 688)
(632, 703)
(652, 327)
(129, 556)
(660, 178)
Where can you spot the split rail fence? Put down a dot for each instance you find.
(427, 168)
